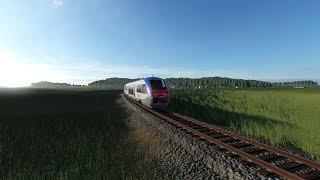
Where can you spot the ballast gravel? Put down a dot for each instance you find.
(179, 154)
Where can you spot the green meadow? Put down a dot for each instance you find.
(68, 134)
(289, 118)
(81, 134)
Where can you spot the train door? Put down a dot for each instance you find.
(134, 91)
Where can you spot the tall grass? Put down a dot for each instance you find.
(57, 134)
(289, 118)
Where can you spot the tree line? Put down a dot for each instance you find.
(215, 82)
(46, 84)
(206, 82)
(296, 83)
(116, 83)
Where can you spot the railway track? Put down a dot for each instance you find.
(267, 160)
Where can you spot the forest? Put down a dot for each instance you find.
(215, 82)
(296, 83)
(205, 82)
(46, 84)
(116, 83)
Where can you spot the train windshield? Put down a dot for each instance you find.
(157, 85)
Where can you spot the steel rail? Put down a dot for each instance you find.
(268, 166)
(255, 143)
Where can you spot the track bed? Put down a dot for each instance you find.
(268, 161)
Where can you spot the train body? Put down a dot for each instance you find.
(152, 92)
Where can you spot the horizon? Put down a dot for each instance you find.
(79, 42)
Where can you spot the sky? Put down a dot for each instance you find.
(77, 41)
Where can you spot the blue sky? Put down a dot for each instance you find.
(82, 41)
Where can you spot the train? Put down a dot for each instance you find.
(151, 91)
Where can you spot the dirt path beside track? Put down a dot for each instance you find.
(179, 154)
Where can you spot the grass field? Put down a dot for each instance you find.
(67, 134)
(285, 117)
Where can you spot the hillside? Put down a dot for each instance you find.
(46, 84)
(205, 82)
(116, 83)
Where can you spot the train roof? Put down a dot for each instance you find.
(149, 78)
(144, 79)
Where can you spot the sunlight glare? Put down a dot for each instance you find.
(16, 73)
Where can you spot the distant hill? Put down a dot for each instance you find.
(114, 83)
(46, 84)
(206, 82)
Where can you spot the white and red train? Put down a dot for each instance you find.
(152, 92)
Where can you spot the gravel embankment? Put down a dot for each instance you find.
(180, 155)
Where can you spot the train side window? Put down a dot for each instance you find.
(140, 89)
(131, 90)
(144, 89)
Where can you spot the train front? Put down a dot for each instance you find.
(159, 93)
